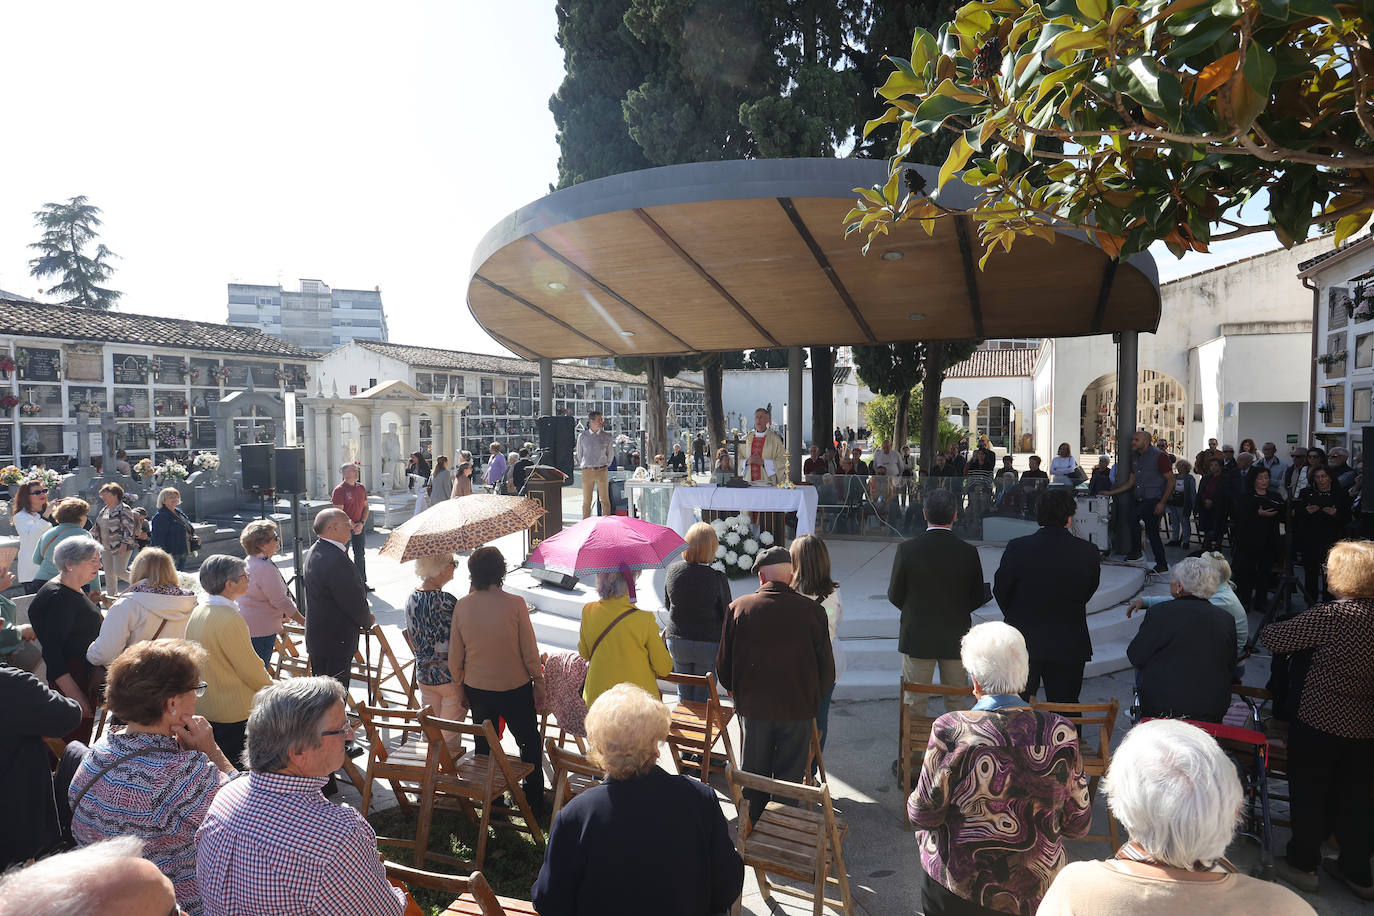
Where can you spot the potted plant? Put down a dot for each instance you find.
(7, 365)
(1326, 410)
(9, 402)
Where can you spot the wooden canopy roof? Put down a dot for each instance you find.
(734, 255)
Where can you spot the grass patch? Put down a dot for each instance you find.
(512, 860)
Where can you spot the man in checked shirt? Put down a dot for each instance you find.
(271, 845)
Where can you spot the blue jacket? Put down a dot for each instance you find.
(171, 531)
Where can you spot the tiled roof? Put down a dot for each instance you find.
(462, 361)
(63, 322)
(995, 364)
(1332, 252)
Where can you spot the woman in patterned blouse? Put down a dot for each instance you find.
(429, 616)
(1331, 742)
(1002, 787)
(155, 777)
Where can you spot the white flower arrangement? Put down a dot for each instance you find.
(207, 461)
(742, 520)
(738, 545)
(720, 551)
(731, 558)
(719, 525)
(718, 566)
(766, 538)
(746, 562)
(732, 538)
(751, 547)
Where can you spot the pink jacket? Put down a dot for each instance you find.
(267, 602)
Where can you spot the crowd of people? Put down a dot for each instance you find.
(220, 775)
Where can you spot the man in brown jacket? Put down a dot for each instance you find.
(776, 661)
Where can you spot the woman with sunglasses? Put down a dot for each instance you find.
(267, 604)
(155, 776)
(32, 517)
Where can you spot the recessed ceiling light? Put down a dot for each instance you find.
(916, 316)
(892, 255)
(627, 333)
(556, 286)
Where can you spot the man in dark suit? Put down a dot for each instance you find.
(336, 607)
(1043, 586)
(937, 581)
(776, 661)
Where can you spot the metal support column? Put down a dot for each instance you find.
(1127, 387)
(796, 357)
(546, 388)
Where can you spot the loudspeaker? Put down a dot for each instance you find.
(558, 435)
(290, 471)
(1367, 480)
(258, 467)
(557, 580)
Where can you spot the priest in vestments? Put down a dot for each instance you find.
(761, 453)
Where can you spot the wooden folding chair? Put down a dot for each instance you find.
(402, 763)
(391, 686)
(695, 727)
(1089, 716)
(475, 896)
(291, 659)
(472, 782)
(573, 774)
(803, 843)
(913, 730)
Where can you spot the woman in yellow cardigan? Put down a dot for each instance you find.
(631, 651)
(235, 672)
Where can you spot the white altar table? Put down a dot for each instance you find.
(686, 500)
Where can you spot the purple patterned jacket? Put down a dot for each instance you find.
(999, 792)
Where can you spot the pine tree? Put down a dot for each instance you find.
(68, 229)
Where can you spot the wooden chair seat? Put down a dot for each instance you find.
(696, 727)
(785, 837)
(476, 768)
(475, 894)
(467, 905)
(573, 774)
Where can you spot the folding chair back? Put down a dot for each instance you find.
(1090, 718)
(913, 729)
(393, 686)
(573, 774)
(803, 842)
(696, 727)
(403, 762)
(291, 658)
(475, 896)
(473, 782)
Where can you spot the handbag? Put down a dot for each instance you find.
(95, 681)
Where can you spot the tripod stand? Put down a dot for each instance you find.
(1288, 583)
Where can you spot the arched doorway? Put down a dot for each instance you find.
(997, 420)
(1160, 410)
(956, 409)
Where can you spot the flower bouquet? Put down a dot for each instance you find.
(7, 365)
(124, 410)
(9, 402)
(31, 409)
(738, 545)
(11, 475)
(48, 478)
(170, 470)
(143, 468)
(206, 461)
(222, 373)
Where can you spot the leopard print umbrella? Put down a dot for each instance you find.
(457, 525)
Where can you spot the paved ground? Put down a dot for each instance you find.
(880, 851)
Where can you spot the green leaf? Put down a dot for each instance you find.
(923, 50)
(971, 21)
(887, 117)
(1276, 9)
(1259, 69)
(938, 108)
(1226, 9)
(1093, 11)
(1347, 226)
(1199, 37)
(899, 84)
(958, 156)
(1318, 8)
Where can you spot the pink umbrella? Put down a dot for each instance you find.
(605, 543)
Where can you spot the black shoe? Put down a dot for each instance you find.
(1174, 544)
(1333, 868)
(353, 749)
(1135, 556)
(1161, 567)
(369, 588)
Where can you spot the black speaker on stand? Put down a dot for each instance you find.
(288, 467)
(557, 438)
(259, 467)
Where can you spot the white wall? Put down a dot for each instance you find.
(973, 391)
(354, 365)
(745, 390)
(1271, 422)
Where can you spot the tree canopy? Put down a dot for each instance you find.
(1172, 114)
(68, 230)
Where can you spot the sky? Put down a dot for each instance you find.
(359, 144)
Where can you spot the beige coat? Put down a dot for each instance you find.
(773, 450)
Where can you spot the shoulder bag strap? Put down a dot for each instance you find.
(117, 761)
(607, 631)
(160, 627)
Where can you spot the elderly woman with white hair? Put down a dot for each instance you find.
(1185, 649)
(1224, 597)
(1002, 787)
(429, 620)
(66, 623)
(1178, 797)
(608, 851)
(620, 642)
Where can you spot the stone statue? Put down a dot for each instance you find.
(393, 468)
